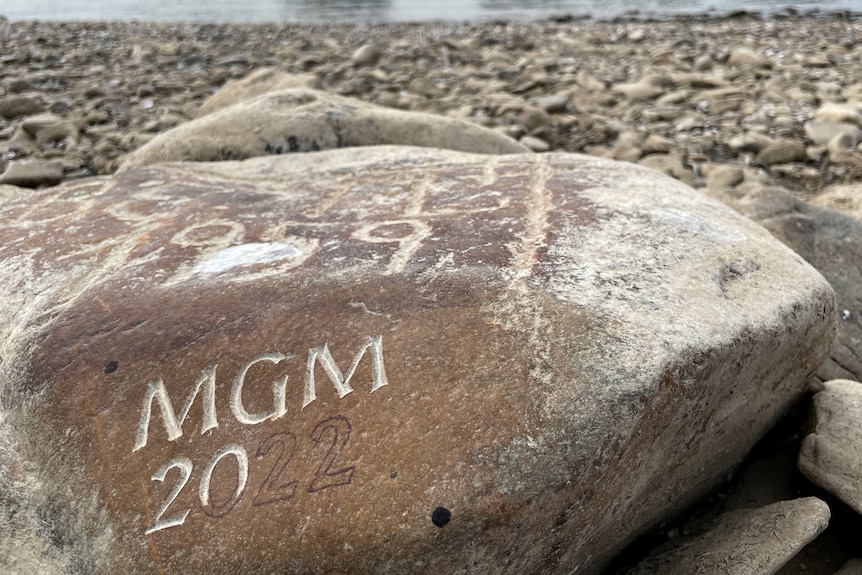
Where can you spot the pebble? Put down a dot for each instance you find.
(33, 174)
(725, 88)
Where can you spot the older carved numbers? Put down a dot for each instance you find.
(328, 439)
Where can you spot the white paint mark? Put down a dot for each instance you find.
(246, 255)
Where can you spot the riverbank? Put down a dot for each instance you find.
(719, 103)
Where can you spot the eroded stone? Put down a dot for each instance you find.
(829, 455)
(303, 120)
(389, 360)
(760, 540)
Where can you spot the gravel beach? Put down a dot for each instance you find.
(728, 105)
(724, 103)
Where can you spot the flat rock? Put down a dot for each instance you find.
(831, 241)
(255, 84)
(760, 540)
(782, 152)
(830, 454)
(303, 120)
(32, 174)
(387, 360)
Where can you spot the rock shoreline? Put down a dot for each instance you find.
(743, 108)
(726, 104)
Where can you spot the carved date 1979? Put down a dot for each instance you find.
(279, 448)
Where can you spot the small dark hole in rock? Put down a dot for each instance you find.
(111, 367)
(441, 516)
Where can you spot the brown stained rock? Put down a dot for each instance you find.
(255, 84)
(303, 120)
(389, 360)
(747, 541)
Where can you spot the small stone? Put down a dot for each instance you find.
(639, 90)
(759, 540)
(841, 142)
(534, 119)
(782, 152)
(724, 177)
(366, 55)
(831, 455)
(551, 104)
(839, 113)
(14, 106)
(535, 144)
(703, 63)
(821, 132)
(746, 58)
(424, 87)
(33, 174)
(657, 144)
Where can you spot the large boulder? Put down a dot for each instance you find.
(386, 360)
(304, 120)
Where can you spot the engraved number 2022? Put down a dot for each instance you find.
(275, 487)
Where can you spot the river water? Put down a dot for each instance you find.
(323, 11)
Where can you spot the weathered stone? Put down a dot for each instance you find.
(423, 359)
(304, 120)
(670, 164)
(639, 90)
(831, 242)
(822, 132)
(830, 454)
(782, 152)
(32, 174)
(534, 144)
(255, 84)
(845, 198)
(14, 106)
(724, 176)
(839, 113)
(747, 58)
(758, 541)
(367, 55)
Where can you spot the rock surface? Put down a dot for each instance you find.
(744, 542)
(303, 120)
(255, 84)
(830, 453)
(831, 241)
(724, 87)
(388, 359)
